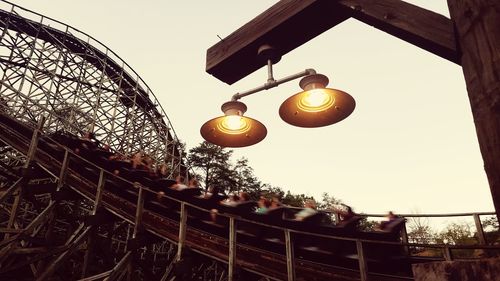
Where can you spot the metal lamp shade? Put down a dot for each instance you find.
(217, 132)
(336, 106)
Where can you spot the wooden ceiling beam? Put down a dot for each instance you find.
(423, 28)
(291, 23)
(285, 26)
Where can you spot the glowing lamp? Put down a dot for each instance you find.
(233, 129)
(316, 106)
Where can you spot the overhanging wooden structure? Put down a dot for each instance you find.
(470, 38)
(291, 23)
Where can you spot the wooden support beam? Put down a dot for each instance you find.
(64, 171)
(97, 276)
(11, 189)
(9, 230)
(36, 250)
(477, 26)
(63, 257)
(40, 219)
(479, 230)
(34, 142)
(169, 269)
(363, 268)
(119, 269)
(43, 255)
(290, 23)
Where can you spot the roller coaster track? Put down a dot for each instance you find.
(54, 81)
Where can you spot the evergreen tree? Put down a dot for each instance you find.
(245, 180)
(212, 162)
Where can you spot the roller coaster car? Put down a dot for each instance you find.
(20, 127)
(136, 175)
(240, 209)
(162, 183)
(391, 233)
(322, 245)
(52, 148)
(66, 139)
(116, 164)
(188, 193)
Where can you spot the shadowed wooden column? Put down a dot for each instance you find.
(477, 29)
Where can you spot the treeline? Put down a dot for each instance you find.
(213, 165)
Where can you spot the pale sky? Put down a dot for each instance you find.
(409, 145)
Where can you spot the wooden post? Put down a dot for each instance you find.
(182, 230)
(447, 253)
(477, 26)
(64, 171)
(363, 274)
(232, 249)
(290, 259)
(479, 230)
(34, 142)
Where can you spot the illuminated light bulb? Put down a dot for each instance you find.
(233, 122)
(316, 100)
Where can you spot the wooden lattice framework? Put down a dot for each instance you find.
(50, 69)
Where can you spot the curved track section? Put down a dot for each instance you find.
(51, 69)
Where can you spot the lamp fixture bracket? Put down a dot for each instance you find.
(234, 108)
(268, 53)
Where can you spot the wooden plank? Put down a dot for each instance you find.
(286, 25)
(289, 24)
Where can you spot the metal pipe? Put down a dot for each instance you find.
(270, 77)
(273, 83)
